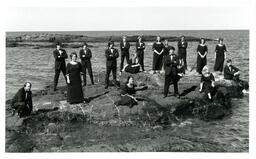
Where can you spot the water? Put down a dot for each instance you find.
(37, 65)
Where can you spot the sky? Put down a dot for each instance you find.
(127, 18)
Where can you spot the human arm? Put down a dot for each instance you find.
(88, 54)
(63, 54)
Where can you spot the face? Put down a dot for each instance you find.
(58, 47)
(166, 42)
(111, 45)
(124, 39)
(202, 41)
(158, 38)
(182, 38)
(74, 58)
(27, 87)
(139, 39)
(130, 81)
(221, 42)
(84, 47)
(171, 51)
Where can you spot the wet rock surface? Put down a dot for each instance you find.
(53, 126)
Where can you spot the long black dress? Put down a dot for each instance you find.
(157, 59)
(75, 90)
(207, 83)
(201, 62)
(220, 57)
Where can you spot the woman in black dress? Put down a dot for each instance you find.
(127, 93)
(133, 65)
(220, 55)
(75, 90)
(158, 48)
(207, 83)
(201, 55)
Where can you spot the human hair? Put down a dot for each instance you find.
(220, 39)
(172, 48)
(72, 54)
(85, 44)
(27, 83)
(205, 69)
(58, 44)
(110, 43)
(229, 61)
(128, 78)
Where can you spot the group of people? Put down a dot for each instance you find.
(164, 57)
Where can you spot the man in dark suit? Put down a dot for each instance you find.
(60, 65)
(182, 50)
(85, 56)
(111, 55)
(124, 47)
(140, 47)
(171, 72)
(22, 101)
(231, 72)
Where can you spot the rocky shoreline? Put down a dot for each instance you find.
(53, 115)
(45, 40)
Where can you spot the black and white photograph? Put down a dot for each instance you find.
(128, 79)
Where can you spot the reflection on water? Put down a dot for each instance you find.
(37, 66)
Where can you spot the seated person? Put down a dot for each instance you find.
(127, 93)
(22, 101)
(233, 73)
(133, 66)
(207, 83)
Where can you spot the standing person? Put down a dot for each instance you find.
(75, 90)
(182, 50)
(171, 72)
(22, 101)
(166, 50)
(220, 56)
(202, 50)
(124, 47)
(140, 47)
(207, 83)
(158, 49)
(60, 65)
(111, 54)
(85, 56)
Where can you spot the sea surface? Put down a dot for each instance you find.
(37, 66)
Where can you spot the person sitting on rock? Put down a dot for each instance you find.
(133, 65)
(207, 82)
(127, 93)
(22, 101)
(233, 73)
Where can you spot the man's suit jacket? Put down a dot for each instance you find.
(124, 49)
(170, 65)
(140, 48)
(229, 74)
(85, 56)
(60, 59)
(20, 99)
(182, 47)
(111, 57)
